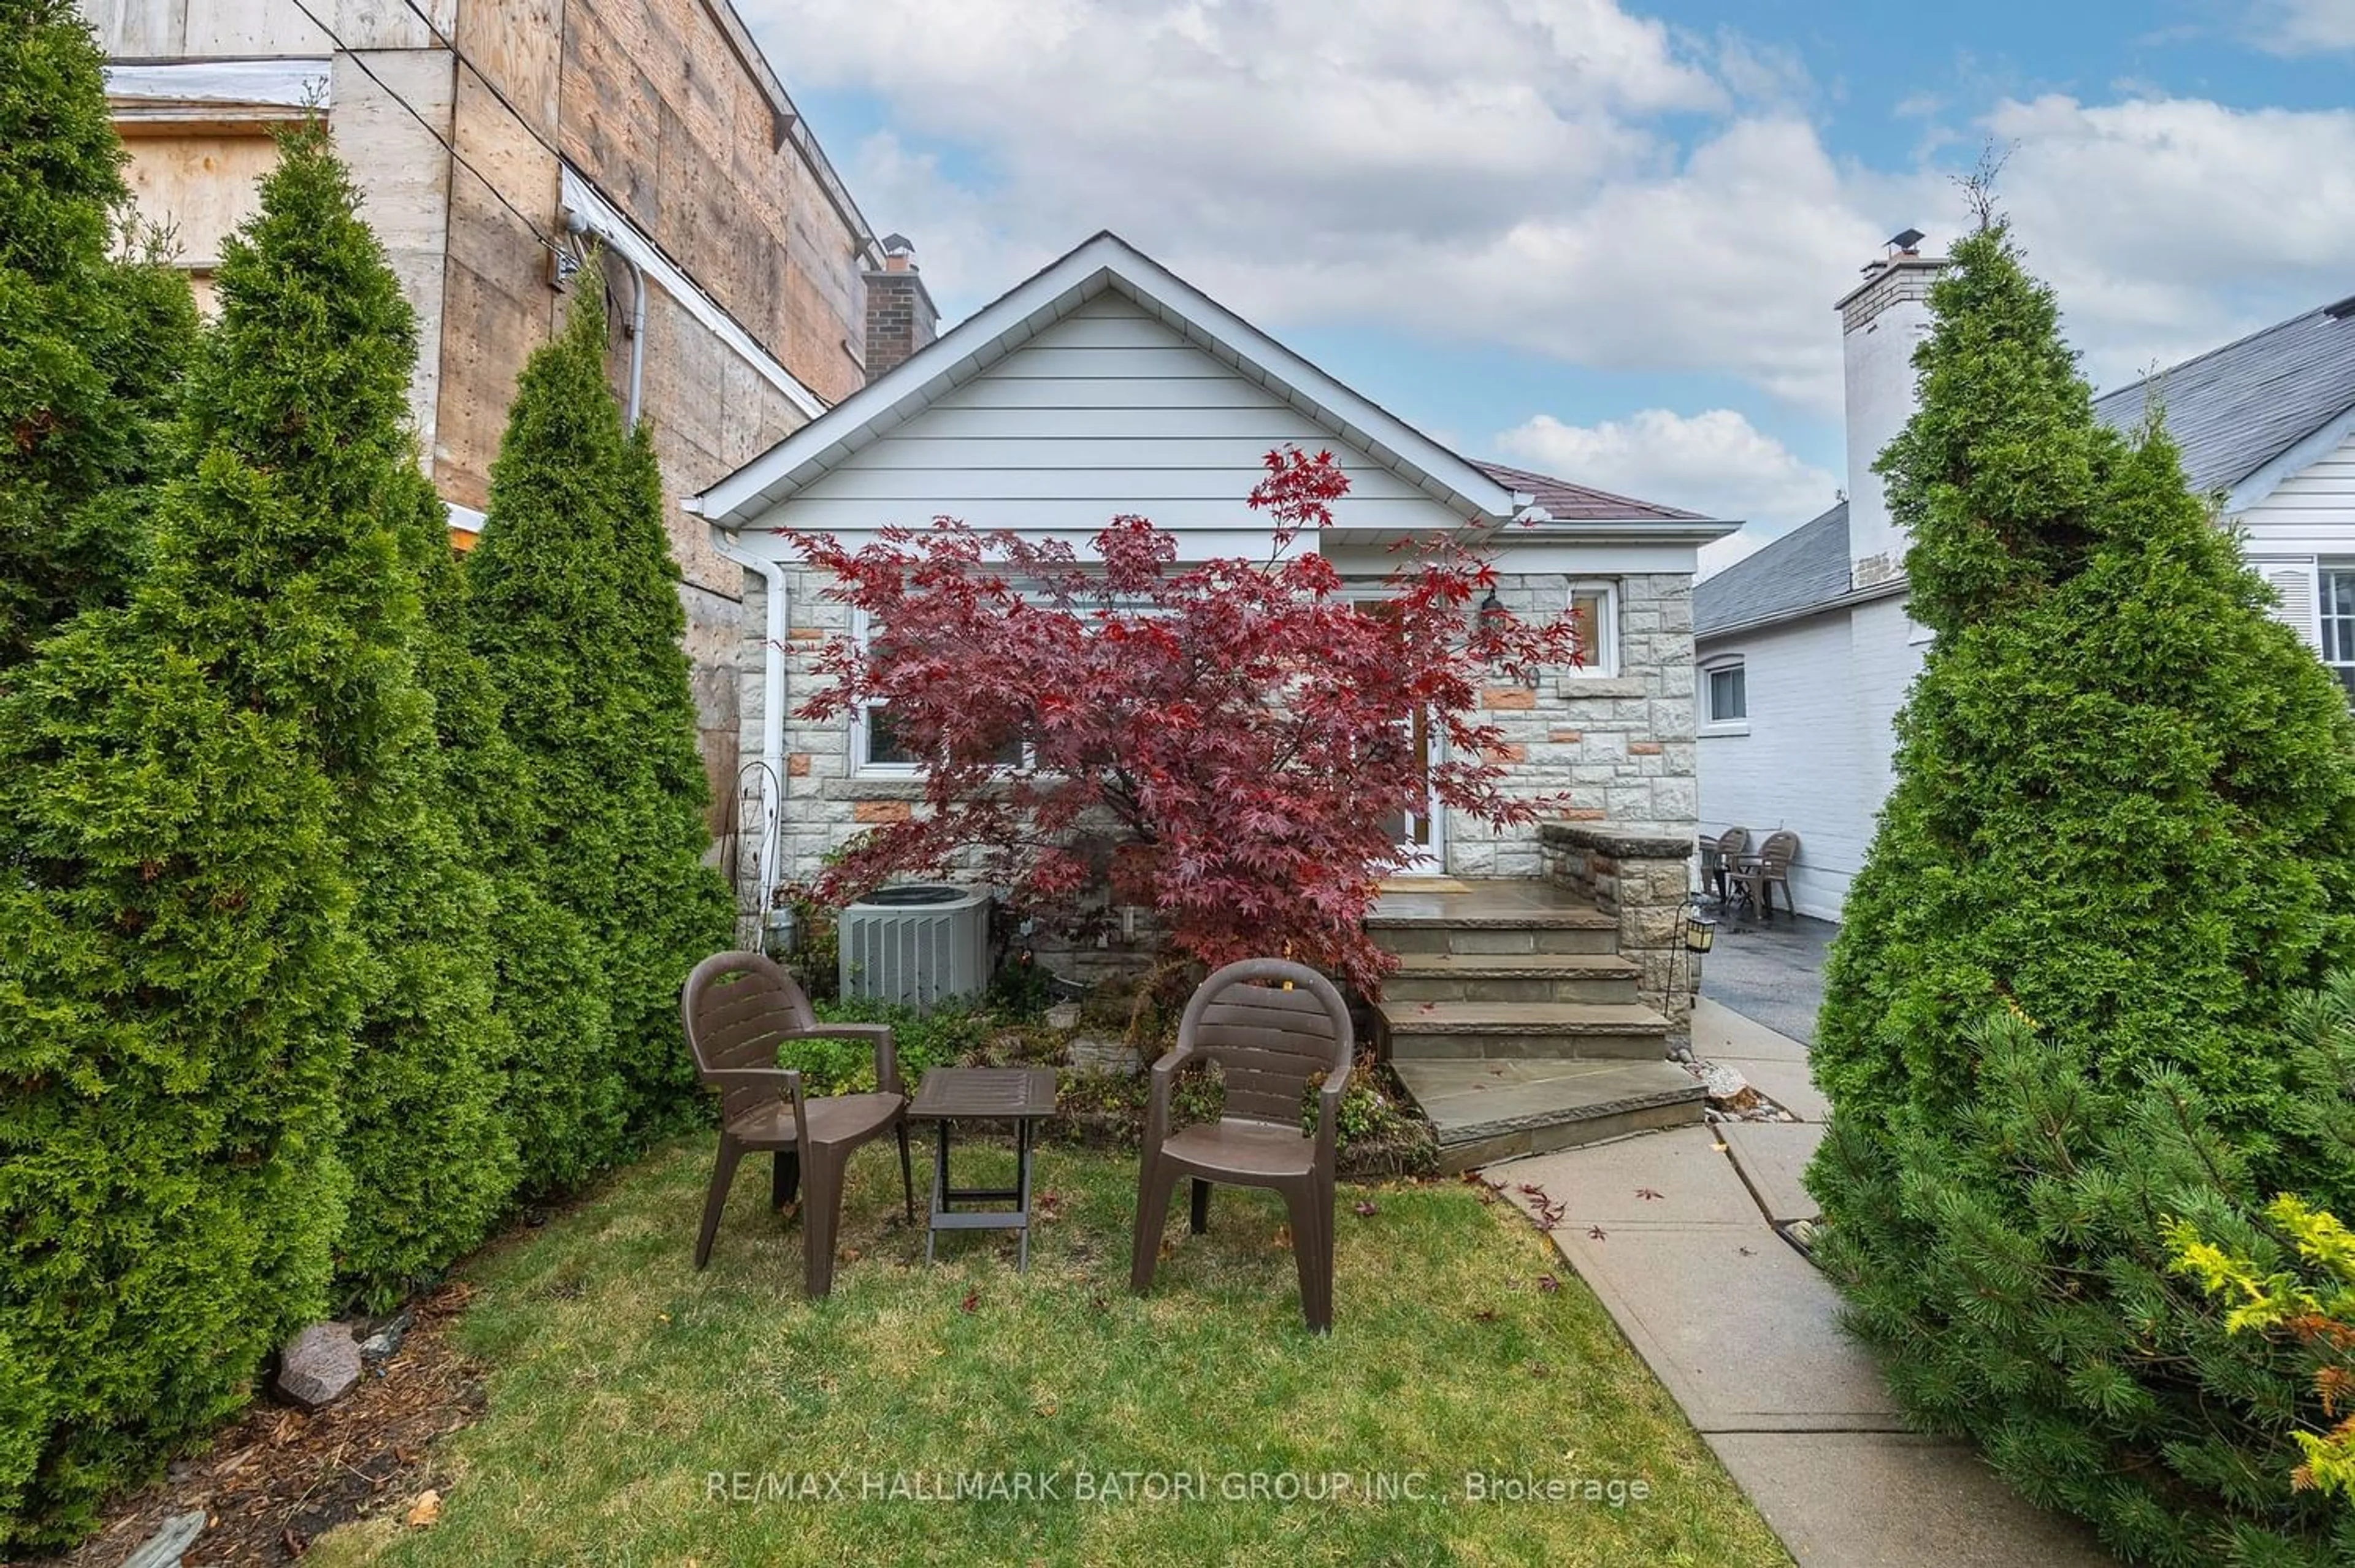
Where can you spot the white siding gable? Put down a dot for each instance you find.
(2311, 512)
(1106, 412)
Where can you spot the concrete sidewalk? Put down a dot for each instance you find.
(1671, 1231)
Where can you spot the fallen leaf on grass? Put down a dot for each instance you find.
(1547, 1284)
(1283, 1239)
(425, 1510)
(1538, 1368)
(1486, 1314)
(293, 1540)
(1365, 1209)
(972, 1299)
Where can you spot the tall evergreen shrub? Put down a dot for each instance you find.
(181, 981)
(549, 1016)
(91, 346)
(234, 863)
(575, 610)
(2121, 838)
(432, 1154)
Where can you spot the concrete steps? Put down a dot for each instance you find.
(1619, 1031)
(1511, 978)
(1516, 1025)
(1493, 933)
(1488, 1110)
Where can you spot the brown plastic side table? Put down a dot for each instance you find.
(949, 1094)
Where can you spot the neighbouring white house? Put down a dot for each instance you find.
(1104, 384)
(1805, 652)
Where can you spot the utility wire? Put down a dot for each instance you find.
(430, 129)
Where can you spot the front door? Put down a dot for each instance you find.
(1417, 833)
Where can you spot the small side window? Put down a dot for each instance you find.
(1725, 689)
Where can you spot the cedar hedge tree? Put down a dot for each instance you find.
(314, 352)
(2120, 841)
(549, 1014)
(575, 609)
(183, 980)
(92, 347)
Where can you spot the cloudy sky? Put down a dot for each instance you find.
(1604, 239)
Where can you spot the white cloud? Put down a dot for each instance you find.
(1507, 176)
(1555, 176)
(1716, 463)
(2302, 27)
(2169, 226)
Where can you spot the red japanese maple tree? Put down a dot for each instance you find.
(1223, 742)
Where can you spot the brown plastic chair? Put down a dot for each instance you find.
(1759, 875)
(1272, 1043)
(1718, 857)
(738, 1008)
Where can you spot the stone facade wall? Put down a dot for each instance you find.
(1620, 747)
(1642, 880)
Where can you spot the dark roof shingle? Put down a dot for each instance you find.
(1568, 502)
(2236, 408)
(1807, 566)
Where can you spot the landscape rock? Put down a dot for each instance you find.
(1724, 1083)
(387, 1338)
(318, 1366)
(1063, 1014)
(1102, 1057)
(168, 1545)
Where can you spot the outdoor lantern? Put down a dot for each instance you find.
(1493, 615)
(1700, 933)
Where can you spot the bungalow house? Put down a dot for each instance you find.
(1805, 652)
(1104, 384)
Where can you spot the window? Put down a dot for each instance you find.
(1725, 699)
(2338, 583)
(1594, 607)
(877, 749)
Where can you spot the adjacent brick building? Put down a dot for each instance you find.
(492, 140)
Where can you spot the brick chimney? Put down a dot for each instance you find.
(1882, 321)
(900, 319)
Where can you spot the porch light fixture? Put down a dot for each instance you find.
(1700, 932)
(1493, 615)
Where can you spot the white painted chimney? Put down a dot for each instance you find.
(1881, 322)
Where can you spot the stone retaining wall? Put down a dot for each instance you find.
(1642, 880)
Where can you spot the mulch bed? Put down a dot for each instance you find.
(279, 1478)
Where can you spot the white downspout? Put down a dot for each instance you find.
(772, 699)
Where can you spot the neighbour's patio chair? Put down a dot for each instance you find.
(738, 1007)
(1758, 876)
(1718, 857)
(1273, 1027)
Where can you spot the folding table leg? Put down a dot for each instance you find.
(1022, 1181)
(940, 1184)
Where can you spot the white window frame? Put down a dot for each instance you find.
(2331, 627)
(1606, 629)
(1710, 724)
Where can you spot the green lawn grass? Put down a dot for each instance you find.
(632, 1401)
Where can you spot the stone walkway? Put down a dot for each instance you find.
(1672, 1231)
